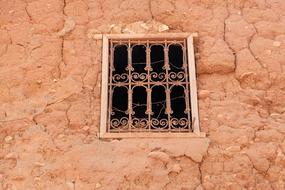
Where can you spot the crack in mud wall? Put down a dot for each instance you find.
(50, 96)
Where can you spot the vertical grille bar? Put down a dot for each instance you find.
(187, 92)
(168, 110)
(111, 69)
(148, 69)
(130, 91)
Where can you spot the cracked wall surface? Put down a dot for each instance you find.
(50, 74)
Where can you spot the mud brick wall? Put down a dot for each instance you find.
(50, 74)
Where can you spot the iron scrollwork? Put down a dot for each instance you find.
(149, 78)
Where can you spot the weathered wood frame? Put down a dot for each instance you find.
(193, 87)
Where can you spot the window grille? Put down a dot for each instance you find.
(148, 86)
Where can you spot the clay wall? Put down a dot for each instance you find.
(50, 74)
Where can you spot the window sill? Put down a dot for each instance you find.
(152, 135)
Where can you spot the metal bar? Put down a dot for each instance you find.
(146, 83)
(168, 110)
(187, 98)
(148, 69)
(130, 91)
(111, 69)
(147, 130)
(154, 135)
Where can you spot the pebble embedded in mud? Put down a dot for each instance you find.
(8, 139)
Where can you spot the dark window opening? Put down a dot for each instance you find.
(120, 59)
(157, 63)
(157, 58)
(119, 113)
(158, 106)
(139, 102)
(178, 101)
(139, 58)
(175, 55)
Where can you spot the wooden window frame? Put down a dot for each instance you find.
(192, 79)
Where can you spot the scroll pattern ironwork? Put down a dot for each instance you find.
(169, 76)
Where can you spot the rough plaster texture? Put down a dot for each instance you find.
(50, 96)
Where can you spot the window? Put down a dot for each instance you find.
(148, 86)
